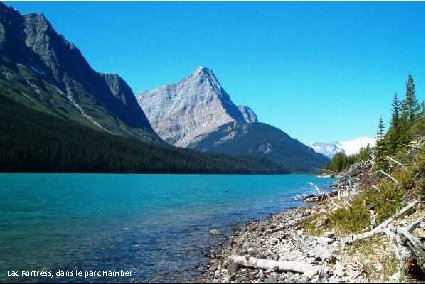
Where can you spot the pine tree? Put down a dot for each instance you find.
(410, 107)
(380, 148)
(410, 112)
(395, 132)
(381, 129)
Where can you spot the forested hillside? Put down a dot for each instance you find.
(33, 141)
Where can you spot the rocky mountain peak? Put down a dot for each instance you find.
(204, 80)
(202, 72)
(185, 112)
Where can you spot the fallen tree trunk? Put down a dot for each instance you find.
(402, 253)
(412, 226)
(280, 266)
(408, 258)
(378, 229)
(407, 248)
(415, 242)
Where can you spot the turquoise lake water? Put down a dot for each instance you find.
(156, 226)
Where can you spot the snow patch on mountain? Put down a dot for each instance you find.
(350, 147)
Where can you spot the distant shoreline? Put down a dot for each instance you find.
(162, 173)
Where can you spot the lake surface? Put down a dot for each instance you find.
(156, 226)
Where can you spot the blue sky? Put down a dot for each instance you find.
(320, 71)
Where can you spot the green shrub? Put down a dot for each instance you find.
(350, 220)
(387, 201)
(404, 176)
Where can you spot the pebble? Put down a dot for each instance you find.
(329, 235)
(271, 279)
(232, 268)
(215, 232)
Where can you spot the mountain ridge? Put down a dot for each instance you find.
(265, 141)
(198, 113)
(52, 75)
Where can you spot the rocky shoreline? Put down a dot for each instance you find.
(279, 249)
(280, 238)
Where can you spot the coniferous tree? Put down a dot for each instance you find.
(410, 111)
(410, 107)
(380, 148)
(394, 135)
(381, 129)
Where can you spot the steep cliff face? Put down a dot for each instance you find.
(185, 112)
(53, 76)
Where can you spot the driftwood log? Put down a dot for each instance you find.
(280, 266)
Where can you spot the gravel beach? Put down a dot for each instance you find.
(266, 250)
